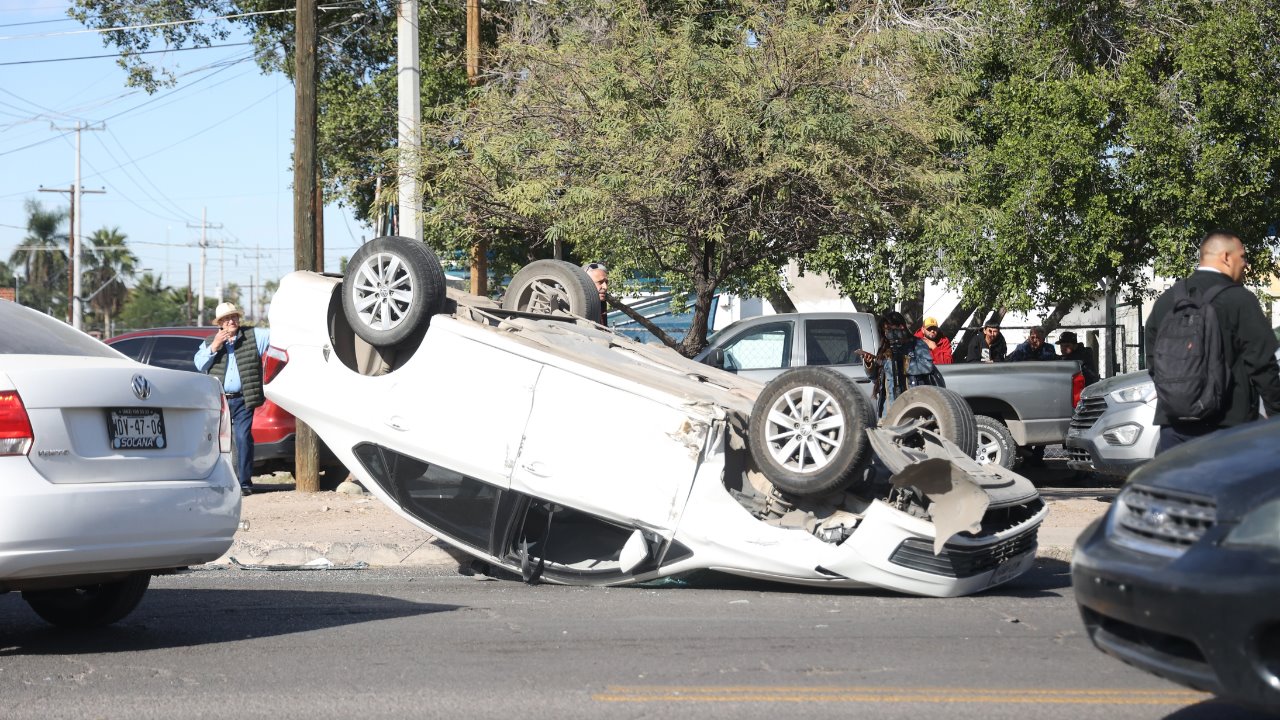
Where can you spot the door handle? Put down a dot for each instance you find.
(536, 468)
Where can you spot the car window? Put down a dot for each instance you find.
(133, 347)
(175, 352)
(28, 332)
(766, 346)
(454, 504)
(832, 341)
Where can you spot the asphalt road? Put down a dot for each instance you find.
(219, 643)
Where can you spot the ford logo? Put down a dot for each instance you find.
(141, 387)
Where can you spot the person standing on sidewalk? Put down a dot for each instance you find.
(1248, 343)
(234, 356)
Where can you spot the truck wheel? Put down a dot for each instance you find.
(89, 606)
(393, 285)
(938, 409)
(807, 431)
(544, 286)
(995, 443)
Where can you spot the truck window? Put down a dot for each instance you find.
(764, 347)
(831, 342)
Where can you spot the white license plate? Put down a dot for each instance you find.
(135, 428)
(1009, 570)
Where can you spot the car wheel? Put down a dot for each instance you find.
(995, 443)
(392, 287)
(938, 409)
(89, 606)
(807, 431)
(544, 286)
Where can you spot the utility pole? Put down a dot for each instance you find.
(306, 455)
(479, 251)
(408, 99)
(204, 244)
(73, 242)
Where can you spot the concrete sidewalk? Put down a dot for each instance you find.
(280, 527)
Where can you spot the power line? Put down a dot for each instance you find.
(145, 26)
(112, 55)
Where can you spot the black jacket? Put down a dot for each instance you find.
(998, 348)
(1248, 347)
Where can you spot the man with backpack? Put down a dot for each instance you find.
(1209, 348)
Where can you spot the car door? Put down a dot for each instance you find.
(607, 451)
(175, 351)
(761, 352)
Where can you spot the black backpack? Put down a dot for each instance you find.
(1189, 369)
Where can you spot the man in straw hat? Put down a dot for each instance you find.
(234, 356)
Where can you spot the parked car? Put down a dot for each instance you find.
(1016, 404)
(113, 471)
(542, 443)
(1179, 578)
(274, 429)
(1112, 430)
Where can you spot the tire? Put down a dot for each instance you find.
(90, 606)
(392, 287)
(544, 286)
(784, 433)
(995, 443)
(941, 410)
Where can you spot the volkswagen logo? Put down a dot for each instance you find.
(141, 387)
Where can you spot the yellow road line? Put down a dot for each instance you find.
(826, 694)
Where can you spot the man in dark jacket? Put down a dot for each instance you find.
(987, 347)
(1248, 344)
(1035, 348)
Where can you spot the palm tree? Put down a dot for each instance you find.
(110, 263)
(42, 256)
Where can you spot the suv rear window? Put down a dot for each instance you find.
(27, 332)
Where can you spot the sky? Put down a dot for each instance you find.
(218, 145)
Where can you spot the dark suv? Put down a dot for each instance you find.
(175, 347)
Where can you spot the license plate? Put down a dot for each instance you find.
(1009, 570)
(135, 428)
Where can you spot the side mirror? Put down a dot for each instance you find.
(715, 358)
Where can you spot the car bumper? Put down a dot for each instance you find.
(1088, 449)
(1205, 620)
(54, 530)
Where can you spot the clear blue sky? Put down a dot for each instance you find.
(219, 141)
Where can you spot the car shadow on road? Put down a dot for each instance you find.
(1216, 710)
(170, 618)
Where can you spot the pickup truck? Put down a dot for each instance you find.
(1015, 404)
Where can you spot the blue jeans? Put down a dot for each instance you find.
(242, 440)
(1171, 437)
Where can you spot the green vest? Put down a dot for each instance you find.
(248, 362)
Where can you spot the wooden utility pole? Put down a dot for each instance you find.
(479, 251)
(306, 457)
(74, 245)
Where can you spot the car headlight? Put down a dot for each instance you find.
(1143, 392)
(1260, 527)
(1126, 434)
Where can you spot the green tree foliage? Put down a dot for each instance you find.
(1106, 138)
(108, 263)
(707, 145)
(153, 304)
(356, 93)
(41, 259)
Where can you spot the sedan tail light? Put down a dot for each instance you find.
(15, 425)
(273, 361)
(224, 426)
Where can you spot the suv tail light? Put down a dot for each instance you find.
(15, 425)
(1077, 387)
(224, 426)
(273, 361)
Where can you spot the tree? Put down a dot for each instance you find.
(706, 145)
(1105, 139)
(109, 263)
(42, 256)
(152, 304)
(356, 87)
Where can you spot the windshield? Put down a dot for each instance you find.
(27, 332)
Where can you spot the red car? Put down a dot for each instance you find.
(175, 347)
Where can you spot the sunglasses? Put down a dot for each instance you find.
(596, 266)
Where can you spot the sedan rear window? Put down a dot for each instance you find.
(27, 332)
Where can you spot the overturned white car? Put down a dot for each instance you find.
(543, 443)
